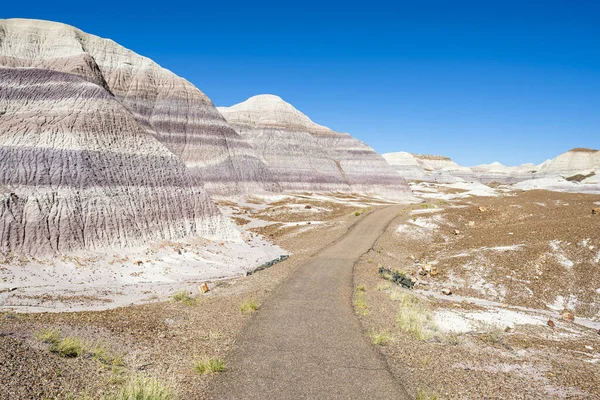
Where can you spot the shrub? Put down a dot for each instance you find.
(249, 305)
(209, 366)
(184, 297)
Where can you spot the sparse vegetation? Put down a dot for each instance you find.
(209, 366)
(491, 334)
(249, 306)
(184, 297)
(68, 347)
(384, 286)
(143, 388)
(361, 288)
(414, 317)
(360, 303)
(380, 338)
(425, 395)
(361, 212)
(48, 335)
(452, 339)
(71, 347)
(211, 335)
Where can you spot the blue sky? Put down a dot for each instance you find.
(478, 81)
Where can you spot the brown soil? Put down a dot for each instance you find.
(530, 362)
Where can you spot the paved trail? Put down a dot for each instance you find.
(306, 342)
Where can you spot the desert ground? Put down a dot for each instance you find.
(521, 321)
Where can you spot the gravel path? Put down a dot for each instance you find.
(306, 341)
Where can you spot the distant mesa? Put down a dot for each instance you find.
(576, 165)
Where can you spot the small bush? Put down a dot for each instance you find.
(209, 366)
(250, 306)
(68, 347)
(380, 338)
(357, 213)
(48, 335)
(143, 388)
(184, 297)
(361, 288)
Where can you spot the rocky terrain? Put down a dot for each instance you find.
(577, 170)
(505, 302)
(308, 156)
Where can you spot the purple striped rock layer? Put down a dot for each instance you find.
(168, 107)
(308, 156)
(79, 172)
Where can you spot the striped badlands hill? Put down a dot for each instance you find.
(307, 156)
(79, 172)
(168, 107)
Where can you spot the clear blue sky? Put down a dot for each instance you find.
(478, 81)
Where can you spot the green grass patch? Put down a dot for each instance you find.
(209, 366)
(360, 303)
(249, 306)
(69, 347)
(72, 347)
(380, 338)
(48, 335)
(425, 395)
(184, 297)
(143, 388)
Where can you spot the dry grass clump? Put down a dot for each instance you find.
(361, 288)
(143, 388)
(207, 366)
(360, 303)
(48, 335)
(491, 334)
(413, 316)
(249, 306)
(425, 395)
(184, 297)
(69, 347)
(380, 338)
